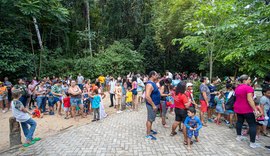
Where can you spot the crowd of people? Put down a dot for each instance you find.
(234, 104)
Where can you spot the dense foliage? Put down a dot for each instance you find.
(67, 37)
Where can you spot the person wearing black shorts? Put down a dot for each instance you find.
(181, 105)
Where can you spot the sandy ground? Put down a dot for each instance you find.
(48, 125)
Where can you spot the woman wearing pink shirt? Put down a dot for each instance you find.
(245, 108)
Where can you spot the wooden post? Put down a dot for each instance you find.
(14, 132)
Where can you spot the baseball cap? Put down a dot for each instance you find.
(189, 84)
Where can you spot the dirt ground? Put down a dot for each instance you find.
(48, 125)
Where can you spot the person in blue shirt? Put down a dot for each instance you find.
(95, 105)
(193, 125)
(212, 104)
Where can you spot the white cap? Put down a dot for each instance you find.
(189, 84)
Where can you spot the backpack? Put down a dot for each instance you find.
(229, 104)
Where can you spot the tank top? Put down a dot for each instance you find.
(155, 95)
(166, 91)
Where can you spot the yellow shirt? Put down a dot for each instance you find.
(129, 96)
(101, 79)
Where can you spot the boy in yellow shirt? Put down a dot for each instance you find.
(129, 98)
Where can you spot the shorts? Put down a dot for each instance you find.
(219, 109)
(180, 114)
(190, 133)
(140, 93)
(203, 106)
(75, 101)
(51, 102)
(134, 92)
(227, 112)
(66, 109)
(3, 98)
(264, 123)
(212, 105)
(163, 108)
(151, 114)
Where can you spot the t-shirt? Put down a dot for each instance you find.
(23, 89)
(80, 79)
(140, 85)
(180, 101)
(56, 89)
(67, 102)
(3, 91)
(17, 112)
(265, 101)
(96, 101)
(212, 89)
(129, 96)
(101, 79)
(175, 82)
(112, 87)
(65, 88)
(8, 84)
(204, 88)
(193, 123)
(41, 90)
(241, 105)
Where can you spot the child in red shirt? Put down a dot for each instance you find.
(67, 105)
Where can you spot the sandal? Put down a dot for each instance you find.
(265, 134)
(186, 143)
(29, 144)
(36, 139)
(173, 133)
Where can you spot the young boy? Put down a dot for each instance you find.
(118, 96)
(265, 103)
(129, 98)
(51, 101)
(67, 105)
(95, 105)
(193, 125)
(22, 115)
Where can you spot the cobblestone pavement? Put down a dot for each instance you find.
(123, 134)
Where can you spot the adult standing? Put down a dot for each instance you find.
(204, 97)
(140, 89)
(164, 92)
(80, 80)
(75, 98)
(40, 92)
(57, 93)
(22, 87)
(212, 104)
(3, 97)
(152, 96)
(111, 90)
(245, 109)
(134, 93)
(182, 103)
(8, 84)
(31, 89)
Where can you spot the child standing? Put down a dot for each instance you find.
(95, 105)
(265, 103)
(67, 105)
(193, 125)
(219, 99)
(129, 98)
(50, 101)
(22, 115)
(118, 96)
(86, 101)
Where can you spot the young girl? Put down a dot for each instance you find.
(129, 99)
(171, 102)
(219, 99)
(86, 101)
(259, 119)
(134, 93)
(118, 96)
(66, 105)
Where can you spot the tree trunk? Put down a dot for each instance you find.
(211, 65)
(88, 25)
(40, 43)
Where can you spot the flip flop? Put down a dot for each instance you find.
(37, 139)
(29, 144)
(173, 133)
(186, 143)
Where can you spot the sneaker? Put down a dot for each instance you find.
(118, 112)
(153, 132)
(231, 126)
(254, 145)
(210, 120)
(268, 147)
(151, 137)
(51, 113)
(4, 111)
(227, 122)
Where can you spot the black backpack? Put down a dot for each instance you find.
(229, 104)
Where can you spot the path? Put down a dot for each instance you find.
(123, 134)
